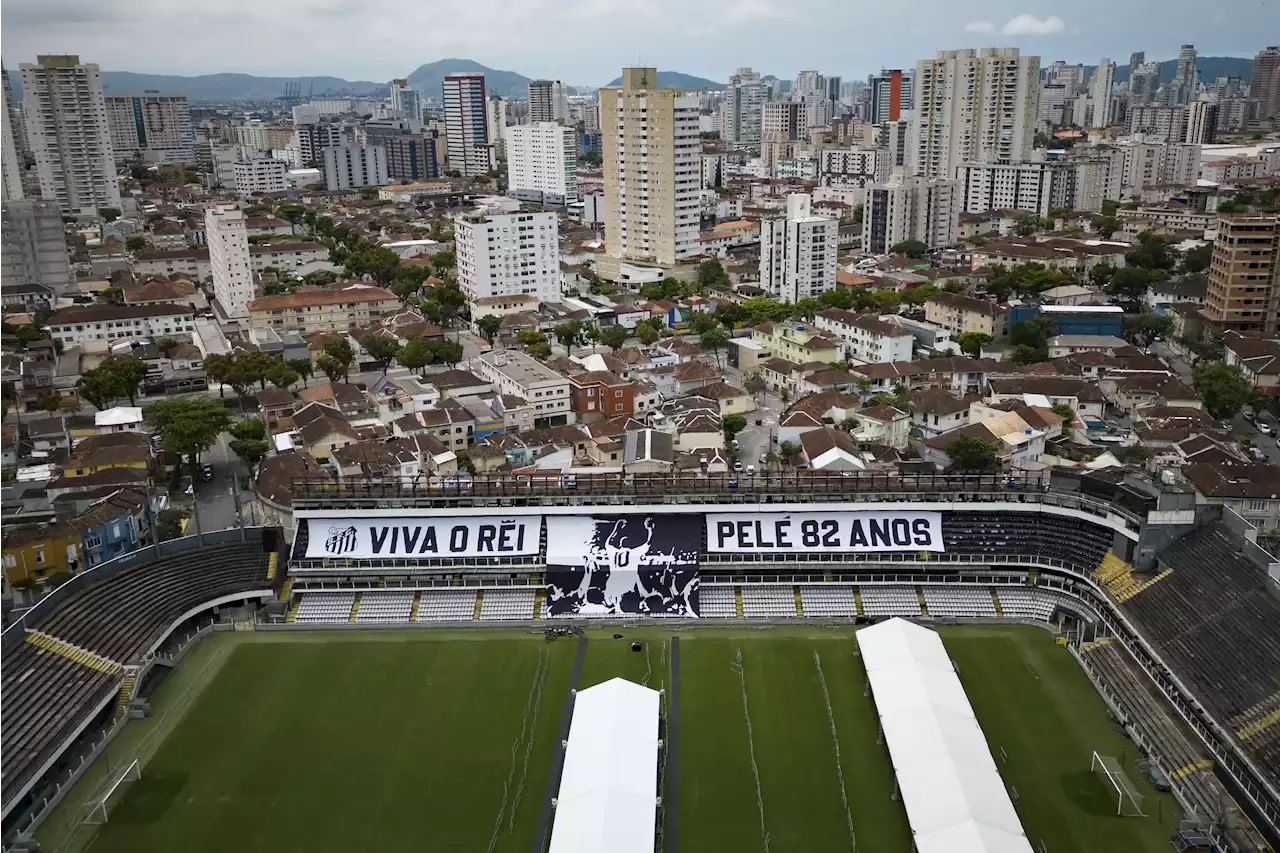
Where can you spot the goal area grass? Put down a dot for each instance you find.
(407, 740)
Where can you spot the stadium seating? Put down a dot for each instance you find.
(327, 607)
(889, 601)
(979, 534)
(717, 602)
(385, 605)
(833, 600)
(953, 600)
(447, 605)
(1026, 603)
(768, 600)
(119, 617)
(507, 603)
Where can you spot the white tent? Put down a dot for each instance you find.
(952, 791)
(608, 796)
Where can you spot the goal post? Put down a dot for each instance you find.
(99, 806)
(1128, 799)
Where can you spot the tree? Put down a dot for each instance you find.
(1197, 259)
(49, 400)
(302, 367)
(972, 454)
(1144, 329)
(1100, 275)
(464, 461)
(1030, 339)
(97, 388)
(733, 424)
(383, 351)
(450, 352)
(1130, 285)
(165, 344)
(416, 354)
(282, 376)
(1025, 226)
(1223, 389)
(443, 260)
(330, 367)
(169, 523)
(646, 334)
(1067, 412)
(109, 214)
(702, 321)
(714, 340)
(1105, 225)
(567, 334)
(711, 274)
(614, 337)
(789, 450)
(489, 326)
(753, 384)
(541, 350)
(250, 428)
(249, 442)
(1152, 253)
(111, 296)
(256, 365)
(971, 343)
(730, 314)
(124, 375)
(341, 354)
(137, 244)
(189, 427)
(910, 248)
(917, 296)
(530, 337)
(806, 309)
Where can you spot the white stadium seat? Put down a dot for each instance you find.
(504, 603)
(717, 602)
(950, 601)
(385, 605)
(768, 600)
(889, 601)
(325, 607)
(828, 599)
(447, 605)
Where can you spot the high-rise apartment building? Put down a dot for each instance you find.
(1137, 58)
(35, 246)
(503, 254)
(1184, 81)
(1144, 83)
(652, 169)
(10, 159)
(891, 93)
(406, 103)
(259, 176)
(1202, 122)
(70, 138)
(908, 207)
(228, 239)
(542, 163)
(311, 138)
(410, 156)
(798, 252)
(744, 104)
(1244, 288)
(1104, 78)
(466, 125)
(1264, 90)
(496, 117)
(548, 101)
(352, 167)
(1159, 124)
(972, 107)
(782, 121)
(152, 126)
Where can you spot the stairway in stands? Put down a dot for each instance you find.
(737, 600)
(417, 605)
(857, 600)
(355, 607)
(126, 692)
(924, 607)
(293, 609)
(1117, 576)
(84, 657)
(995, 599)
(539, 602)
(475, 614)
(799, 604)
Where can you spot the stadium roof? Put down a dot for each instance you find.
(952, 791)
(609, 788)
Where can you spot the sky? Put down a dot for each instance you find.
(586, 42)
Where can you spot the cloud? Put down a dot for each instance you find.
(979, 27)
(745, 11)
(1029, 25)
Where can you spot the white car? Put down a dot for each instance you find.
(1264, 429)
(737, 466)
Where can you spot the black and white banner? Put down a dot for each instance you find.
(407, 538)
(824, 532)
(642, 564)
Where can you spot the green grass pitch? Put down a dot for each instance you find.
(403, 742)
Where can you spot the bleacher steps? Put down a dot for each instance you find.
(293, 609)
(924, 608)
(475, 614)
(1257, 727)
(799, 604)
(355, 607)
(1194, 767)
(1033, 577)
(539, 598)
(737, 600)
(857, 600)
(1134, 588)
(287, 589)
(995, 599)
(72, 652)
(417, 604)
(271, 566)
(126, 693)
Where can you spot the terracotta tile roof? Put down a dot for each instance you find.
(316, 298)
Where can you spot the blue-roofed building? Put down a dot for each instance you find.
(1074, 319)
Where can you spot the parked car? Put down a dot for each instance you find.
(1265, 429)
(206, 473)
(737, 467)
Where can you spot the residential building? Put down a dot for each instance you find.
(911, 208)
(411, 156)
(1264, 88)
(960, 314)
(260, 176)
(406, 103)
(502, 254)
(1251, 490)
(34, 246)
(1202, 123)
(891, 93)
(797, 343)
(1186, 79)
(13, 152)
(228, 242)
(152, 126)
(94, 327)
(599, 394)
(974, 106)
(1057, 253)
(1144, 82)
(782, 121)
(1244, 291)
(1104, 78)
(542, 163)
(350, 167)
(744, 102)
(311, 138)
(798, 252)
(470, 152)
(520, 375)
(652, 164)
(548, 101)
(342, 307)
(299, 258)
(1258, 359)
(1159, 123)
(1027, 186)
(70, 138)
(865, 338)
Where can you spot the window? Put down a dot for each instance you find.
(1255, 506)
(40, 557)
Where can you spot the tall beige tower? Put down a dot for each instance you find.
(652, 170)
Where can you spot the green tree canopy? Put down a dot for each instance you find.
(489, 326)
(614, 337)
(646, 334)
(383, 351)
(303, 367)
(568, 333)
(1224, 389)
(971, 343)
(733, 424)
(189, 426)
(973, 454)
(714, 340)
(910, 248)
(417, 354)
(1144, 329)
(341, 354)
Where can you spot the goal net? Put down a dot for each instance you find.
(100, 805)
(1128, 799)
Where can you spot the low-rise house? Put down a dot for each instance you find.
(797, 342)
(460, 383)
(402, 395)
(883, 424)
(276, 407)
(501, 307)
(935, 411)
(1251, 489)
(349, 305)
(732, 399)
(343, 396)
(1082, 396)
(1065, 345)
(161, 291)
(600, 394)
(116, 450)
(1258, 359)
(1018, 445)
(322, 430)
(695, 422)
(387, 460)
(648, 451)
(118, 419)
(454, 426)
(865, 338)
(828, 449)
(1130, 391)
(960, 314)
(1165, 426)
(1054, 253)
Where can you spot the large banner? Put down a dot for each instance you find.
(407, 538)
(641, 564)
(824, 532)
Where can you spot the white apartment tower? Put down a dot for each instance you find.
(798, 253)
(406, 103)
(1100, 93)
(1184, 82)
(228, 238)
(652, 169)
(351, 167)
(503, 254)
(542, 163)
(67, 128)
(497, 120)
(152, 126)
(9, 158)
(744, 105)
(259, 176)
(548, 101)
(974, 106)
(910, 208)
(466, 124)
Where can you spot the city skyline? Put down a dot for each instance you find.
(292, 39)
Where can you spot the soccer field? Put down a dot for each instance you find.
(413, 740)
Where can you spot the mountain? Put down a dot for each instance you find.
(218, 87)
(676, 80)
(429, 78)
(1210, 68)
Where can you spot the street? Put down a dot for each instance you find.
(215, 500)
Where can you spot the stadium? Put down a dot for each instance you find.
(798, 662)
